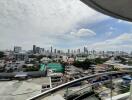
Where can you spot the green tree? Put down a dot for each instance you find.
(100, 60)
(123, 60)
(114, 69)
(89, 62)
(85, 64)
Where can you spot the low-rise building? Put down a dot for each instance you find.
(81, 58)
(71, 60)
(55, 67)
(101, 68)
(45, 60)
(22, 56)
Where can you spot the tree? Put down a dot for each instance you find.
(89, 62)
(114, 69)
(129, 63)
(123, 60)
(100, 60)
(85, 64)
(32, 68)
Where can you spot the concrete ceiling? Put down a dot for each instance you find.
(121, 9)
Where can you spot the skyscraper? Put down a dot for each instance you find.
(85, 49)
(38, 50)
(68, 51)
(55, 51)
(34, 49)
(78, 51)
(51, 49)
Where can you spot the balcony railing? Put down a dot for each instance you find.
(82, 86)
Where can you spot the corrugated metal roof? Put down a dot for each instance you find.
(57, 67)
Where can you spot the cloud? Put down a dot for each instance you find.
(123, 21)
(124, 37)
(109, 33)
(83, 33)
(122, 42)
(41, 22)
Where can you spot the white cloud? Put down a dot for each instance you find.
(27, 22)
(83, 33)
(123, 41)
(125, 37)
(109, 33)
(123, 21)
(119, 21)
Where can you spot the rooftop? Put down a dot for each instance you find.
(22, 90)
(57, 67)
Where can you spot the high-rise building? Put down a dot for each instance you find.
(51, 49)
(78, 51)
(74, 51)
(34, 49)
(131, 53)
(58, 51)
(21, 56)
(93, 52)
(38, 50)
(43, 50)
(68, 51)
(85, 50)
(55, 51)
(17, 49)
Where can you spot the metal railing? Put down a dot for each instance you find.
(69, 84)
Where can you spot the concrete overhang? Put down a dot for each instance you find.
(121, 9)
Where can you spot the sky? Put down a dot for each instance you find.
(61, 24)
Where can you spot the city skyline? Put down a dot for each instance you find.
(71, 25)
(40, 50)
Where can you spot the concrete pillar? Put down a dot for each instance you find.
(131, 90)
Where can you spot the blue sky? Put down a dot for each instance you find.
(110, 28)
(61, 24)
